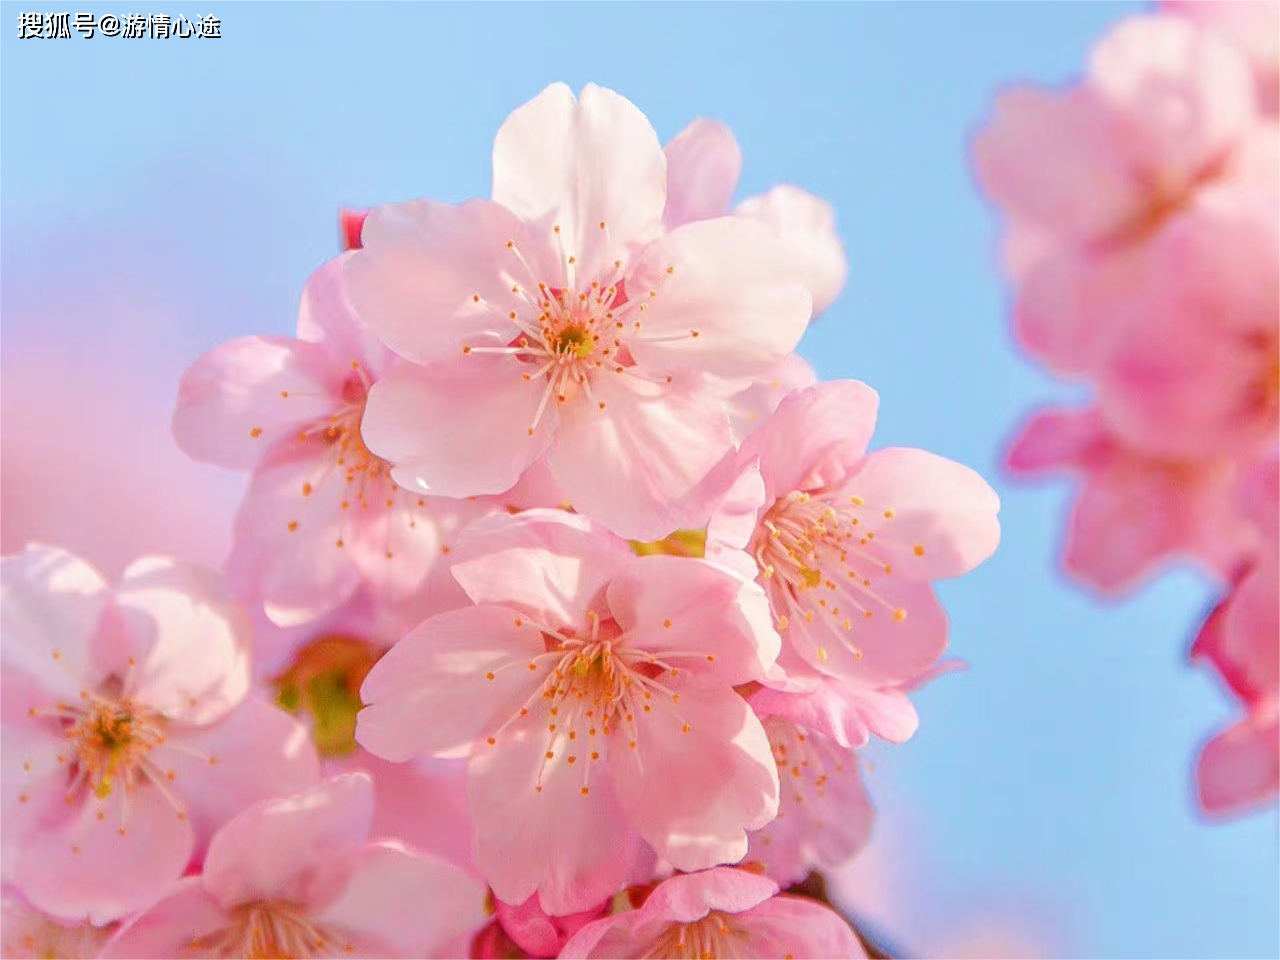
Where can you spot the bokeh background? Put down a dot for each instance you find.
(160, 196)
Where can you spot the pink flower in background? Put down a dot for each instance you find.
(719, 913)
(1240, 767)
(1164, 125)
(299, 877)
(322, 519)
(560, 319)
(1251, 25)
(703, 163)
(824, 816)
(846, 542)
(1194, 360)
(127, 735)
(30, 933)
(594, 692)
(1134, 510)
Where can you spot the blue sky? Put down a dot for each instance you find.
(1057, 766)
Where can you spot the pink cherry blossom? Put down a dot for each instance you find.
(1164, 127)
(127, 736)
(846, 542)
(29, 933)
(563, 321)
(703, 163)
(1193, 364)
(1251, 25)
(322, 520)
(299, 877)
(594, 692)
(1134, 510)
(719, 913)
(824, 817)
(538, 934)
(350, 225)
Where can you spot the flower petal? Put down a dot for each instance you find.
(268, 851)
(815, 438)
(457, 431)
(806, 226)
(72, 868)
(801, 928)
(696, 616)
(49, 620)
(430, 695)
(580, 163)
(240, 399)
(535, 828)
(551, 565)
(703, 163)
(1240, 768)
(394, 898)
(327, 317)
(190, 640)
(638, 466)
(727, 303)
(937, 504)
(435, 276)
(701, 776)
(168, 928)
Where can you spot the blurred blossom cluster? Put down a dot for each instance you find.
(1142, 236)
(558, 606)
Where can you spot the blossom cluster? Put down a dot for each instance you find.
(1143, 238)
(560, 602)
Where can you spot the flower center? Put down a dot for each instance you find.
(713, 937)
(270, 931)
(595, 688)
(112, 740)
(324, 682)
(822, 554)
(573, 328)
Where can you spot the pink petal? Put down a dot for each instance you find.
(32, 781)
(190, 640)
(800, 928)
(685, 899)
(51, 610)
(937, 504)
(703, 163)
(257, 752)
(824, 817)
(1260, 496)
(230, 410)
(430, 694)
(751, 405)
(1251, 626)
(734, 522)
(1185, 95)
(538, 934)
(702, 775)
(731, 283)
(1240, 768)
(395, 899)
(327, 317)
(1047, 159)
(579, 163)
(433, 277)
(695, 617)
(286, 553)
(1054, 440)
(816, 436)
(268, 851)
(550, 565)
(876, 650)
(167, 928)
(535, 828)
(72, 868)
(615, 464)
(457, 431)
(807, 228)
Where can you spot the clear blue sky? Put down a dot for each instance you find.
(1058, 765)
